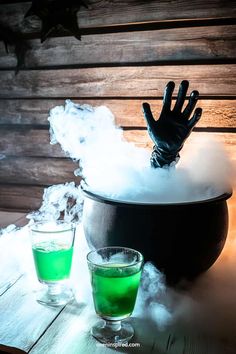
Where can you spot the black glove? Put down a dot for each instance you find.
(171, 130)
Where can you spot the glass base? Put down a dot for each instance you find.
(55, 295)
(112, 331)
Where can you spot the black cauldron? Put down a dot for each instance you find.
(181, 239)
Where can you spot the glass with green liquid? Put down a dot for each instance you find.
(115, 277)
(52, 246)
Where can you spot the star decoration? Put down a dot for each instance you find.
(55, 14)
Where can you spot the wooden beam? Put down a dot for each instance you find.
(110, 13)
(128, 113)
(38, 171)
(32, 143)
(20, 197)
(27, 141)
(7, 218)
(213, 43)
(213, 80)
(227, 140)
(26, 326)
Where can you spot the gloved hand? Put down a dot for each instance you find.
(171, 130)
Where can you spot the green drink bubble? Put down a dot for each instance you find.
(52, 261)
(115, 289)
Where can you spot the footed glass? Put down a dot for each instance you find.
(115, 277)
(52, 246)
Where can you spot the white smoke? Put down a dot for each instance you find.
(118, 169)
(62, 200)
(152, 300)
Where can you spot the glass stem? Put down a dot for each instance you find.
(113, 325)
(54, 289)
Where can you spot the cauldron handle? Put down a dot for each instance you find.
(173, 127)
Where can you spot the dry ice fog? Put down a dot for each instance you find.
(112, 167)
(115, 168)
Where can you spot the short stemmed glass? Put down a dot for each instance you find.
(52, 246)
(115, 277)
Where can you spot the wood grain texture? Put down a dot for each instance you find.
(128, 113)
(38, 171)
(9, 277)
(11, 270)
(30, 142)
(26, 146)
(226, 140)
(26, 318)
(110, 13)
(170, 45)
(213, 80)
(20, 197)
(27, 198)
(7, 218)
(74, 324)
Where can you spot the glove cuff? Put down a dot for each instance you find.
(160, 158)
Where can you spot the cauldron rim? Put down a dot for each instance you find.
(106, 200)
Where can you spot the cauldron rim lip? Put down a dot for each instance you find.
(105, 200)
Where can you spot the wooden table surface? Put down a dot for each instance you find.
(202, 316)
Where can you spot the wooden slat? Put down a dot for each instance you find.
(201, 327)
(75, 325)
(7, 218)
(30, 197)
(39, 171)
(11, 269)
(20, 197)
(109, 13)
(27, 141)
(228, 140)
(28, 146)
(203, 323)
(26, 326)
(179, 44)
(128, 113)
(213, 80)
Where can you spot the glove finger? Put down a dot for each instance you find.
(168, 96)
(148, 115)
(191, 104)
(197, 115)
(183, 88)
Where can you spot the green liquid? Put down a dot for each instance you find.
(52, 261)
(115, 290)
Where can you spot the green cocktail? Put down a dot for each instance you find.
(52, 261)
(52, 246)
(115, 277)
(115, 289)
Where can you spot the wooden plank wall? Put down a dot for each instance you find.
(128, 52)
